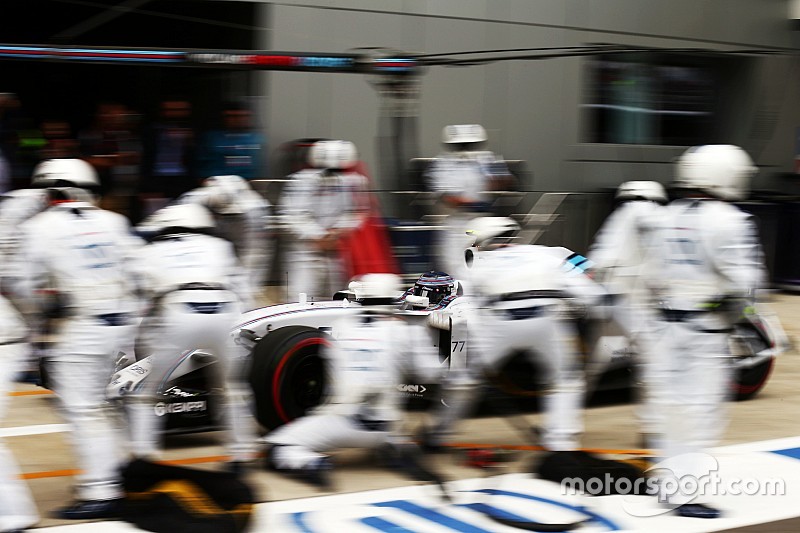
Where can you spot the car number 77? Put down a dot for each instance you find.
(458, 346)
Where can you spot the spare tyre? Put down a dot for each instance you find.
(749, 341)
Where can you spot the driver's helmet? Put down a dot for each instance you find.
(435, 286)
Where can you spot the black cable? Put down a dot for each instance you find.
(583, 51)
(504, 50)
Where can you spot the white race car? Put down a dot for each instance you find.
(288, 377)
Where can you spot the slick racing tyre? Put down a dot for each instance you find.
(288, 375)
(748, 381)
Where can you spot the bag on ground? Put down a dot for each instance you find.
(173, 499)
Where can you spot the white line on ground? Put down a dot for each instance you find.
(33, 430)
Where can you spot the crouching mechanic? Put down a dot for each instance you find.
(523, 295)
(370, 356)
(80, 251)
(196, 290)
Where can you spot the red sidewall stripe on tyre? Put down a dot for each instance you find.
(747, 389)
(276, 396)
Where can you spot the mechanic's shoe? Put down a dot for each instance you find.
(88, 509)
(237, 468)
(648, 441)
(429, 443)
(697, 510)
(408, 459)
(28, 376)
(317, 473)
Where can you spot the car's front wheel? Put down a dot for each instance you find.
(288, 376)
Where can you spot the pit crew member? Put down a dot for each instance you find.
(80, 251)
(460, 177)
(525, 296)
(706, 263)
(318, 207)
(370, 355)
(619, 255)
(196, 290)
(242, 216)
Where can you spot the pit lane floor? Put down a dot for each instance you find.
(39, 440)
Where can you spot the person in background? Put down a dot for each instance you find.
(460, 177)
(243, 217)
(16, 207)
(170, 151)
(318, 207)
(80, 252)
(60, 142)
(113, 147)
(12, 123)
(237, 148)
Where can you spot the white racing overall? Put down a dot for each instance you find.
(532, 322)
(197, 290)
(369, 358)
(706, 253)
(81, 252)
(315, 203)
(17, 508)
(461, 180)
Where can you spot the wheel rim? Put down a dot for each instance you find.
(308, 381)
(309, 348)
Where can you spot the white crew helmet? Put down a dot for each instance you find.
(463, 134)
(334, 155)
(65, 173)
(189, 216)
(377, 289)
(489, 230)
(223, 194)
(722, 170)
(642, 190)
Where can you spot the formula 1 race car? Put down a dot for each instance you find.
(288, 378)
(283, 343)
